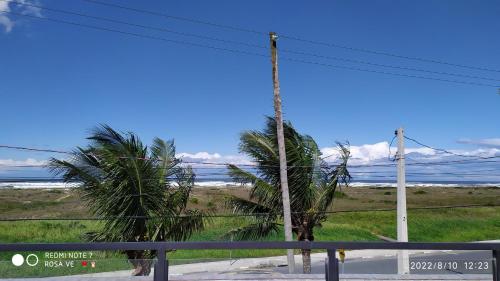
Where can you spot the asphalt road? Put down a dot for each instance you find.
(471, 262)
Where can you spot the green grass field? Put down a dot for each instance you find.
(349, 224)
(456, 224)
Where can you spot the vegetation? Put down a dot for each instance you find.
(132, 187)
(66, 203)
(312, 185)
(418, 192)
(443, 225)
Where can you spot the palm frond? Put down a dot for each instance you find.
(164, 153)
(254, 231)
(178, 228)
(311, 182)
(261, 191)
(338, 175)
(129, 187)
(242, 206)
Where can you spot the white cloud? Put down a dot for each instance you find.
(482, 152)
(11, 163)
(215, 158)
(199, 155)
(19, 6)
(367, 153)
(360, 154)
(4, 20)
(495, 142)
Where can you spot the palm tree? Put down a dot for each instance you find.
(140, 193)
(312, 185)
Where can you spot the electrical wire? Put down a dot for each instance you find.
(387, 65)
(136, 34)
(191, 20)
(390, 144)
(389, 73)
(251, 53)
(253, 165)
(149, 27)
(386, 53)
(244, 43)
(245, 215)
(289, 37)
(449, 152)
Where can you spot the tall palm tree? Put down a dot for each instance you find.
(140, 193)
(312, 185)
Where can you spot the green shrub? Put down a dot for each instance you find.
(420, 192)
(56, 191)
(210, 204)
(340, 194)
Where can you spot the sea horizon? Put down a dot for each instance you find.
(57, 184)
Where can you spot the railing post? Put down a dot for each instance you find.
(496, 265)
(331, 266)
(161, 268)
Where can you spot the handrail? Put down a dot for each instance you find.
(331, 263)
(251, 245)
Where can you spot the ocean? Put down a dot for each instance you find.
(57, 184)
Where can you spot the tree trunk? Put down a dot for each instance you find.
(142, 266)
(306, 261)
(305, 233)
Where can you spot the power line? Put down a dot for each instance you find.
(247, 52)
(290, 37)
(34, 149)
(253, 165)
(390, 144)
(138, 158)
(248, 44)
(449, 152)
(440, 163)
(224, 176)
(149, 27)
(390, 73)
(137, 34)
(229, 27)
(386, 53)
(387, 65)
(244, 215)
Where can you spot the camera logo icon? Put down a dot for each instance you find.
(17, 260)
(31, 260)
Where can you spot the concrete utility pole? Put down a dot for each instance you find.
(403, 258)
(282, 153)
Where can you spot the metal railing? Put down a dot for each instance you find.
(331, 263)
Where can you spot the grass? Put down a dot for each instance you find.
(419, 192)
(454, 224)
(56, 203)
(457, 224)
(441, 225)
(436, 225)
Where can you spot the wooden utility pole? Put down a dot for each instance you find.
(403, 258)
(282, 153)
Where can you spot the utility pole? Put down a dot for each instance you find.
(282, 153)
(403, 258)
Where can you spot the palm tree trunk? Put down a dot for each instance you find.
(306, 260)
(142, 266)
(305, 234)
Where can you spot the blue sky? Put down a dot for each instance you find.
(57, 81)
